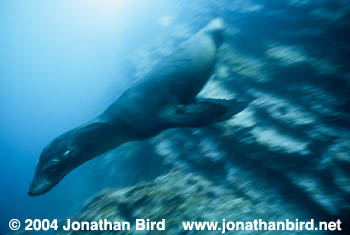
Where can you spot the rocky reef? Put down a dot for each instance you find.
(177, 196)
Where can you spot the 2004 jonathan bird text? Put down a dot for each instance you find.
(100, 225)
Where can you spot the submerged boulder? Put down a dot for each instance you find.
(176, 197)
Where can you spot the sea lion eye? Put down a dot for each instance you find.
(52, 168)
(67, 152)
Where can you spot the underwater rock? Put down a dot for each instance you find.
(288, 55)
(176, 197)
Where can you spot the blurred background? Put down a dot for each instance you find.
(286, 156)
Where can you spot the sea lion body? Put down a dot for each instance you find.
(177, 79)
(163, 99)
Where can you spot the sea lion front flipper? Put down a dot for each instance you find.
(205, 111)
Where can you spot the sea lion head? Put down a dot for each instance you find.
(55, 161)
(70, 150)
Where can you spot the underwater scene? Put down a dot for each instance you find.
(175, 117)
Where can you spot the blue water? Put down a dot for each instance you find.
(62, 63)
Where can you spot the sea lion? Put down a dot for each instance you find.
(163, 99)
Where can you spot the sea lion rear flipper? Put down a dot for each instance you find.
(205, 111)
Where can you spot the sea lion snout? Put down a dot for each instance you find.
(38, 187)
